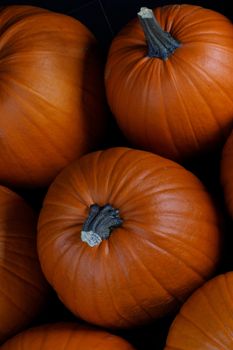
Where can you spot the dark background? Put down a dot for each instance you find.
(105, 18)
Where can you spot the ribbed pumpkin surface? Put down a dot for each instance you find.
(167, 246)
(205, 322)
(181, 106)
(51, 94)
(23, 289)
(66, 337)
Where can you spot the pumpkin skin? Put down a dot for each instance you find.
(23, 290)
(227, 173)
(205, 320)
(180, 107)
(168, 244)
(51, 94)
(66, 336)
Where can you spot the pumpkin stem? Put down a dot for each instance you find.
(99, 224)
(160, 43)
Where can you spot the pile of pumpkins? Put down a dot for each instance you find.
(126, 234)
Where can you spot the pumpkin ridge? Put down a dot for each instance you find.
(149, 69)
(186, 244)
(18, 307)
(28, 89)
(54, 237)
(169, 128)
(155, 278)
(201, 71)
(201, 330)
(57, 263)
(228, 290)
(36, 125)
(202, 97)
(216, 315)
(28, 257)
(16, 236)
(74, 192)
(116, 187)
(127, 320)
(16, 20)
(75, 277)
(161, 248)
(81, 172)
(19, 253)
(98, 159)
(179, 19)
(19, 277)
(68, 339)
(177, 16)
(183, 104)
(133, 297)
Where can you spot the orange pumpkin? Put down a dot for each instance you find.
(124, 236)
(23, 289)
(51, 94)
(171, 88)
(66, 336)
(205, 321)
(227, 173)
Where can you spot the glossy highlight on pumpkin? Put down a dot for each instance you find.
(181, 106)
(66, 336)
(51, 94)
(167, 244)
(23, 288)
(205, 321)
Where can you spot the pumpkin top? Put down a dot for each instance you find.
(171, 89)
(110, 220)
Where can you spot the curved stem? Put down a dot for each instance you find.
(94, 210)
(160, 43)
(104, 212)
(99, 224)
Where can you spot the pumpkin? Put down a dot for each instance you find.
(205, 321)
(51, 94)
(124, 236)
(23, 288)
(170, 89)
(227, 173)
(66, 336)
